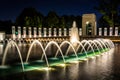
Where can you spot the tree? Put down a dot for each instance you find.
(52, 19)
(6, 26)
(30, 17)
(78, 20)
(102, 22)
(62, 22)
(110, 10)
(69, 20)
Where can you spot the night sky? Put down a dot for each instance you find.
(10, 9)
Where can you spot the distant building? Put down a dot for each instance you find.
(89, 24)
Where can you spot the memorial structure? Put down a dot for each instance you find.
(89, 24)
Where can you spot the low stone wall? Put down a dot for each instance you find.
(113, 38)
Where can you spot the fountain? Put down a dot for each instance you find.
(74, 35)
(74, 50)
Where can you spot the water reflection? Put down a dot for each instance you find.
(72, 71)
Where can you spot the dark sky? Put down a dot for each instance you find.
(10, 9)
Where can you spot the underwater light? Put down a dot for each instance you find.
(26, 63)
(85, 59)
(74, 40)
(92, 57)
(62, 65)
(74, 62)
(4, 67)
(45, 68)
(97, 55)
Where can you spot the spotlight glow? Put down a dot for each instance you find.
(74, 40)
(74, 62)
(84, 59)
(4, 67)
(45, 68)
(62, 65)
(97, 55)
(92, 57)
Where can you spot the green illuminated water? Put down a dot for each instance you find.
(39, 64)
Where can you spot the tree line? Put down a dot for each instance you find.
(110, 10)
(31, 17)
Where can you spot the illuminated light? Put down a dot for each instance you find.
(74, 35)
(45, 68)
(26, 63)
(4, 67)
(74, 62)
(87, 22)
(92, 57)
(62, 65)
(84, 59)
(97, 55)
(73, 40)
(101, 54)
(104, 53)
(80, 61)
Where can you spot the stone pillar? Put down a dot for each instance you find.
(50, 33)
(105, 31)
(35, 32)
(45, 32)
(60, 32)
(24, 32)
(13, 32)
(69, 31)
(65, 32)
(116, 31)
(39, 32)
(110, 31)
(55, 33)
(80, 31)
(100, 31)
(19, 32)
(29, 32)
